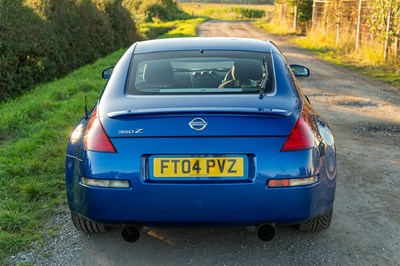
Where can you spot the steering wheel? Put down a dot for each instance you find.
(228, 76)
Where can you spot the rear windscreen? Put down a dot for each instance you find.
(200, 72)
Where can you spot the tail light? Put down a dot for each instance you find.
(301, 137)
(96, 138)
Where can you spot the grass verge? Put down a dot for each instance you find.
(226, 11)
(273, 27)
(34, 131)
(170, 29)
(368, 60)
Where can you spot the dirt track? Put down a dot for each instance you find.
(365, 116)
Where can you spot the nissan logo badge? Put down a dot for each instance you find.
(198, 124)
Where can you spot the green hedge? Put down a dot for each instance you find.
(43, 39)
(249, 12)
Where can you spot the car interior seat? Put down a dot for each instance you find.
(158, 74)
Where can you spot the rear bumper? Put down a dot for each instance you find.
(243, 203)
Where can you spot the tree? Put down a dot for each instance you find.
(302, 10)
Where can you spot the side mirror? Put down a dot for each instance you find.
(106, 74)
(300, 71)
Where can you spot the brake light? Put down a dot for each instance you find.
(301, 137)
(96, 138)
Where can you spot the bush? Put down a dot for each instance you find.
(43, 39)
(159, 11)
(249, 12)
(164, 10)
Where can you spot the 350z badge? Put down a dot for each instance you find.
(131, 131)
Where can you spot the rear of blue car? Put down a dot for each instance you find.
(242, 153)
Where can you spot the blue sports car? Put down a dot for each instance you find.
(201, 132)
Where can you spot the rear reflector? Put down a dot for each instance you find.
(92, 182)
(301, 137)
(279, 183)
(292, 182)
(96, 138)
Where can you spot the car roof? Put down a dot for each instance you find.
(202, 43)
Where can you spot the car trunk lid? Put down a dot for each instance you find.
(200, 116)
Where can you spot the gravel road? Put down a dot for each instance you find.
(365, 116)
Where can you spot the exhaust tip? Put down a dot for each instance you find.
(266, 232)
(130, 234)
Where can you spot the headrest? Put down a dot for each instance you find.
(158, 73)
(243, 70)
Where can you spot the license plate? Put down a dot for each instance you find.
(198, 167)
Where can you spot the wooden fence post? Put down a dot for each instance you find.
(314, 6)
(338, 18)
(358, 26)
(385, 54)
(325, 20)
(295, 19)
(396, 40)
(396, 45)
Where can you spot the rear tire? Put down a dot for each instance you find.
(86, 226)
(318, 223)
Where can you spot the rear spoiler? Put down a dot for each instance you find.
(208, 110)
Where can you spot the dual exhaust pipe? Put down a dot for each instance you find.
(266, 232)
(131, 233)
